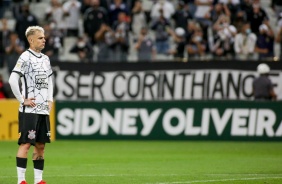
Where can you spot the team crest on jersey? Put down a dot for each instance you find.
(20, 134)
(31, 134)
(40, 81)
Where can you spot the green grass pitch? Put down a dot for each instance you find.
(151, 162)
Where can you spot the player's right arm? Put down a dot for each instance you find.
(17, 72)
(14, 79)
(14, 83)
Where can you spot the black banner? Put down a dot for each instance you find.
(157, 81)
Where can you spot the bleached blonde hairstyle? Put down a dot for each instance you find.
(32, 29)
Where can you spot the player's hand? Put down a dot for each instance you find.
(29, 102)
(50, 105)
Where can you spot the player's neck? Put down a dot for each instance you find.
(35, 50)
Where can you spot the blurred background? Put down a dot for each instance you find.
(145, 30)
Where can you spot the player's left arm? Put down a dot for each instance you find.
(50, 85)
(50, 92)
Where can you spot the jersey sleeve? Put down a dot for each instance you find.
(49, 67)
(20, 65)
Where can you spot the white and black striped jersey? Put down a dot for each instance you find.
(35, 72)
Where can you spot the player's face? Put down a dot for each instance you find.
(38, 41)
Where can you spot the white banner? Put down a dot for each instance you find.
(159, 85)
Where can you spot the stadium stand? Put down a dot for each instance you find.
(38, 9)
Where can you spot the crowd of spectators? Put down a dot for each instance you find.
(182, 29)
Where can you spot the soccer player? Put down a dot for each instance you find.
(34, 71)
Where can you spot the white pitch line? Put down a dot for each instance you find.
(148, 175)
(107, 175)
(219, 180)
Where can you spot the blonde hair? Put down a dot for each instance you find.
(32, 29)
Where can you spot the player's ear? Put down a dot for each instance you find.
(30, 40)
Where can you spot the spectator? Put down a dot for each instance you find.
(197, 45)
(203, 12)
(232, 2)
(222, 22)
(244, 44)
(203, 16)
(265, 42)
(138, 18)
(262, 85)
(93, 18)
(83, 49)
(279, 20)
(55, 13)
(4, 5)
(277, 6)
(162, 8)
(191, 6)
(130, 4)
(105, 40)
(182, 15)
(145, 46)
(162, 37)
(115, 8)
(179, 39)
(23, 22)
(53, 44)
(256, 17)
(13, 50)
(4, 39)
(2, 9)
(85, 4)
(192, 26)
(106, 4)
(224, 42)
(17, 8)
(218, 11)
(72, 11)
(239, 19)
(121, 45)
(233, 6)
(246, 6)
(279, 34)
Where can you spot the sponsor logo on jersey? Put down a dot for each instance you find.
(42, 107)
(40, 81)
(18, 65)
(31, 134)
